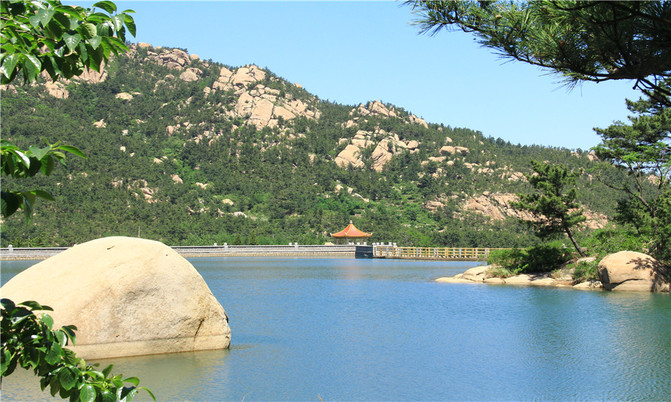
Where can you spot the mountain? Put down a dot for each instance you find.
(190, 151)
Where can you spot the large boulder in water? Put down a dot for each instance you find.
(127, 297)
(632, 271)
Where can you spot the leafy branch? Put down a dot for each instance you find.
(29, 342)
(19, 163)
(61, 40)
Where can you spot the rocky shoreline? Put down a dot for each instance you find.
(622, 271)
(482, 275)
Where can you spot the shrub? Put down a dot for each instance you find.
(510, 259)
(500, 272)
(611, 240)
(546, 257)
(586, 271)
(540, 258)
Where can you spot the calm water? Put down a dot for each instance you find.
(344, 329)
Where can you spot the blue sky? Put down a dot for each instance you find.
(353, 52)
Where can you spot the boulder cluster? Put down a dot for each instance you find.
(386, 146)
(260, 105)
(621, 271)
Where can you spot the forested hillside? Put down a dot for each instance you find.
(188, 151)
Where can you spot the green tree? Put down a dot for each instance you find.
(642, 149)
(553, 203)
(582, 40)
(47, 36)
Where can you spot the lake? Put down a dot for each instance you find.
(374, 329)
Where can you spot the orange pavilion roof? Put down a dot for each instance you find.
(351, 231)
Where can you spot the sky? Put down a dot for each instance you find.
(353, 52)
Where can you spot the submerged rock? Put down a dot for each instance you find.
(127, 297)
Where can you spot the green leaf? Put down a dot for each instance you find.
(87, 393)
(9, 63)
(70, 331)
(130, 23)
(23, 158)
(44, 381)
(61, 337)
(54, 384)
(34, 21)
(72, 41)
(53, 356)
(108, 396)
(31, 68)
(44, 195)
(6, 359)
(65, 393)
(95, 41)
(10, 203)
(126, 393)
(70, 357)
(67, 378)
(83, 52)
(148, 391)
(47, 166)
(62, 19)
(95, 58)
(72, 150)
(45, 15)
(88, 30)
(108, 6)
(33, 305)
(107, 370)
(47, 320)
(95, 375)
(38, 152)
(7, 304)
(118, 21)
(133, 380)
(10, 368)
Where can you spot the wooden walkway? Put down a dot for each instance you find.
(432, 253)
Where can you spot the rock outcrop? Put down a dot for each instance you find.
(632, 271)
(386, 146)
(452, 150)
(260, 105)
(173, 58)
(498, 207)
(377, 108)
(351, 155)
(127, 297)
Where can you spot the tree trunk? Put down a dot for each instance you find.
(575, 244)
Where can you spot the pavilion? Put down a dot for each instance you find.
(351, 232)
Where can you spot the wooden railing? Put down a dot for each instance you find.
(437, 253)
